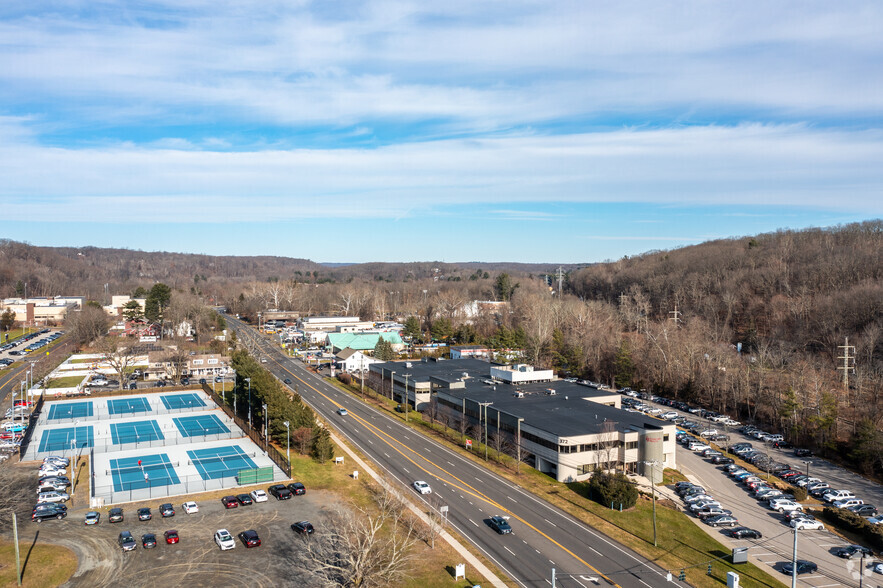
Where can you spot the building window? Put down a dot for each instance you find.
(212, 361)
(665, 437)
(197, 362)
(586, 468)
(631, 445)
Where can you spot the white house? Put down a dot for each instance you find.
(350, 360)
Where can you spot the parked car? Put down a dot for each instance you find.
(279, 491)
(863, 510)
(171, 536)
(148, 540)
(303, 528)
(851, 551)
(144, 514)
(167, 510)
(126, 541)
(250, 538)
(52, 497)
(49, 510)
(713, 511)
(807, 525)
(190, 507)
(803, 567)
(244, 499)
(115, 515)
(93, 517)
(297, 488)
(744, 533)
(848, 502)
(230, 502)
(803, 452)
(259, 495)
(835, 495)
(722, 521)
(224, 539)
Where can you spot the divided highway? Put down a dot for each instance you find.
(544, 537)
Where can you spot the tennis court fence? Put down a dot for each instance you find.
(101, 413)
(106, 446)
(136, 490)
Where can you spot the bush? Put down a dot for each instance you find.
(849, 521)
(613, 489)
(799, 493)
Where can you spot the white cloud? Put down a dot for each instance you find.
(753, 165)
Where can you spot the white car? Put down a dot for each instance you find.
(57, 459)
(807, 525)
(51, 471)
(708, 432)
(670, 415)
(224, 539)
(259, 495)
(190, 507)
(879, 568)
(848, 502)
(341, 411)
(785, 505)
(835, 495)
(422, 487)
(704, 504)
(699, 447)
(52, 497)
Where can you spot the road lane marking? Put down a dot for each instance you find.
(509, 550)
(547, 520)
(473, 522)
(515, 501)
(595, 550)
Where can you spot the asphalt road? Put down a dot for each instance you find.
(544, 537)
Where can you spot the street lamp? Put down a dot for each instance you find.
(287, 441)
(266, 425)
(407, 397)
(807, 463)
(653, 464)
(392, 385)
(485, 405)
(249, 401)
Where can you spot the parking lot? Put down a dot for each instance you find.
(103, 563)
(776, 546)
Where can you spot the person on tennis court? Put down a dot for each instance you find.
(146, 477)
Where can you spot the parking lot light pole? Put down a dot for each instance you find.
(266, 425)
(794, 561)
(249, 401)
(485, 405)
(407, 397)
(653, 464)
(288, 441)
(807, 463)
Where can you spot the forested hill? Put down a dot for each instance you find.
(803, 289)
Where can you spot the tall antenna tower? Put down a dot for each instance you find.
(675, 315)
(560, 280)
(848, 358)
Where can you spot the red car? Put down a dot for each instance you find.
(171, 536)
(230, 502)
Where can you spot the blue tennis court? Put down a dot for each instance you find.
(179, 401)
(136, 432)
(59, 440)
(154, 470)
(220, 462)
(200, 425)
(70, 410)
(127, 405)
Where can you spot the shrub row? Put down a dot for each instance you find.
(849, 521)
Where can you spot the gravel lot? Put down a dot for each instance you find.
(196, 560)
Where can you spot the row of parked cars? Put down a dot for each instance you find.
(52, 485)
(26, 341)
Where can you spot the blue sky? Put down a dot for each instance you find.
(349, 131)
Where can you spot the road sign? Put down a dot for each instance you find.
(468, 443)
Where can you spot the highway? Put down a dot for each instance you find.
(544, 537)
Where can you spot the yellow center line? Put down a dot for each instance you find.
(475, 493)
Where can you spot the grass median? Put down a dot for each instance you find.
(44, 566)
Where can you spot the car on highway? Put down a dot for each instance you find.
(167, 510)
(126, 541)
(851, 551)
(341, 411)
(250, 538)
(303, 528)
(229, 502)
(807, 525)
(259, 495)
(422, 487)
(500, 525)
(148, 540)
(144, 514)
(224, 539)
(115, 515)
(171, 536)
(287, 381)
(190, 507)
(92, 517)
(744, 533)
(803, 567)
(722, 521)
(279, 491)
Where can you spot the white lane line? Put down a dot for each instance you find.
(509, 550)
(513, 500)
(595, 550)
(578, 582)
(479, 481)
(549, 582)
(537, 550)
(473, 522)
(387, 456)
(825, 585)
(763, 554)
(450, 463)
(406, 470)
(547, 520)
(551, 562)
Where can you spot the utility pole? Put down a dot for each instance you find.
(794, 562)
(848, 361)
(560, 280)
(17, 553)
(406, 397)
(675, 315)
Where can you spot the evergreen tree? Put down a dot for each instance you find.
(132, 311)
(625, 366)
(157, 300)
(383, 350)
(503, 287)
(412, 327)
(322, 449)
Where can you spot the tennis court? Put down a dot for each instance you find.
(135, 432)
(128, 405)
(70, 410)
(145, 471)
(200, 425)
(179, 401)
(65, 439)
(220, 462)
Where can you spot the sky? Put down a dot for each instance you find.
(397, 130)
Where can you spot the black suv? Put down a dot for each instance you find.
(499, 525)
(303, 527)
(279, 491)
(115, 515)
(297, 488)
(49, 511)
(851, 551)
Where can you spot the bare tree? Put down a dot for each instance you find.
(608, 445)
(174, 362)
(362, 548)
(17, 496)
(120, 358)
(86, 325)
(302, 439)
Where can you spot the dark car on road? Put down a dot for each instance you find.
(744, 533)
(287, 380)
(244, 499)
(144, 514)
(297, 488)
(279, 491)
(303, 527)
(167, 510)
(500, 525)
(115, 515)
(803, 452)
(126, 541)
(851, 551)
(230, 502)
(803, 567)
(49, 511)
(250, 538)
(148, 540)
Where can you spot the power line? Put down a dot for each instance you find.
(848, 361)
